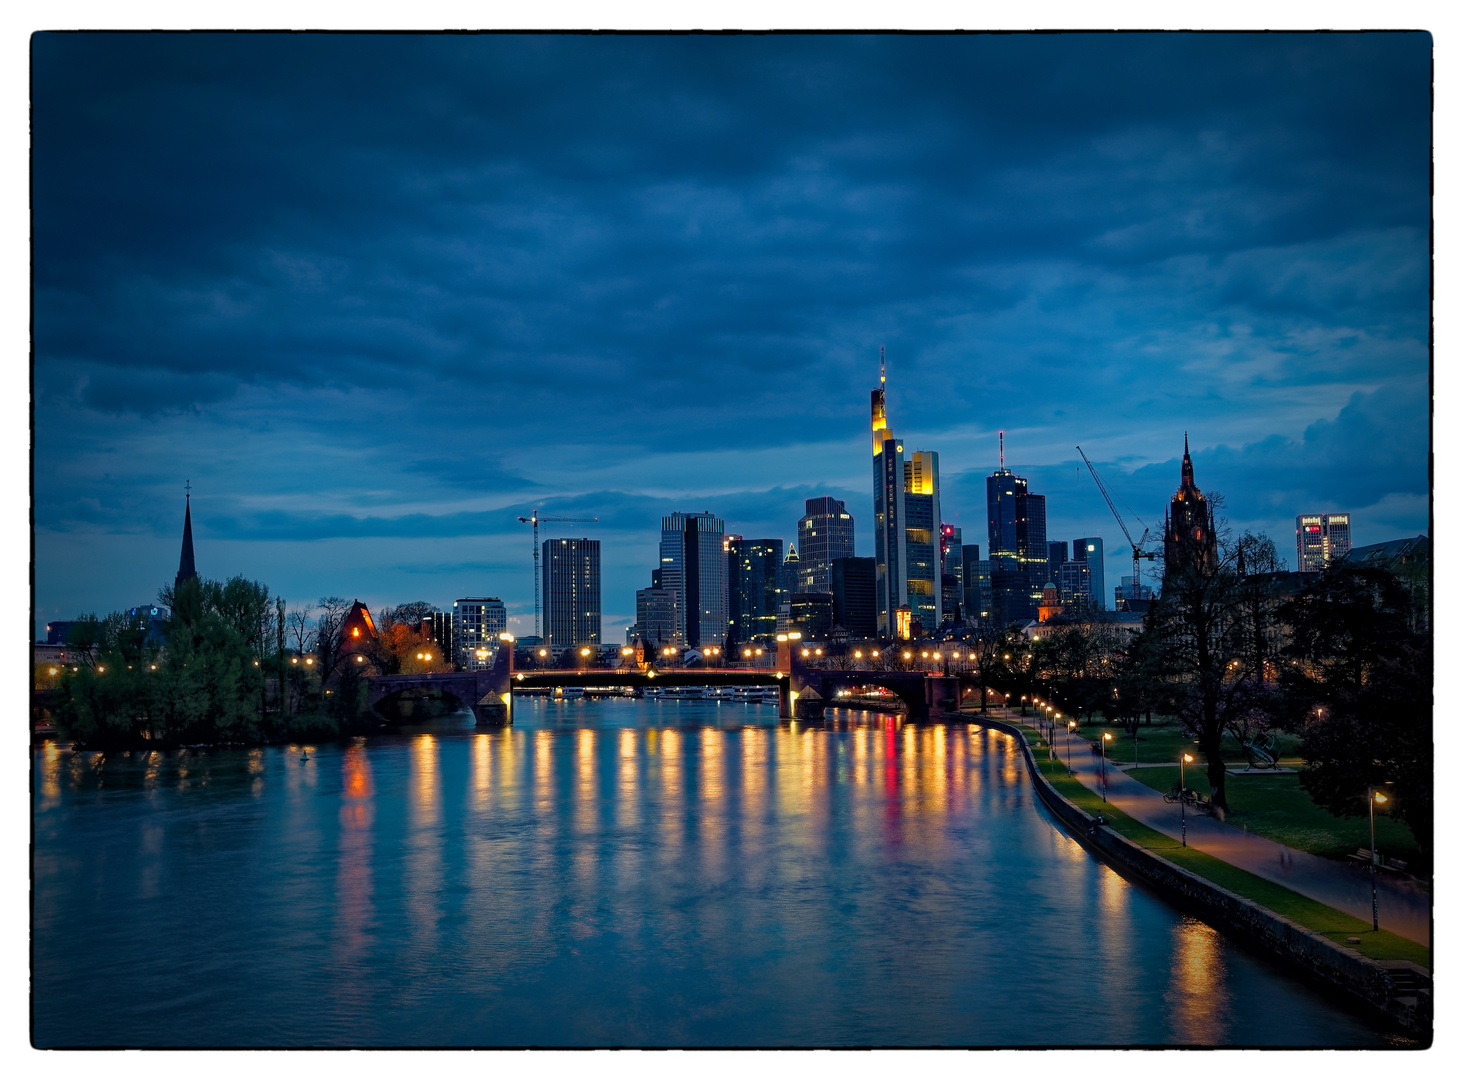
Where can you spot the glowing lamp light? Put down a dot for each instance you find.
(356, 632)
(1379, 797)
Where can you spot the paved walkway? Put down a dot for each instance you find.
(1402, 907)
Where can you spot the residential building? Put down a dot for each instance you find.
(693, 565)
(853, 596)
(1088, 549)
(825, 533)
(571, 593)
(476, 623)
(1321, 539)
(438, 628)
(753, 590)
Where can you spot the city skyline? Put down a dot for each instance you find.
(665, 302)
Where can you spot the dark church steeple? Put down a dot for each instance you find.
(186, 569)
(1188, 534)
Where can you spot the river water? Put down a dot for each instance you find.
(603, 873)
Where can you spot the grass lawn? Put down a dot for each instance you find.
(1313, 915)
(1277, 808)
(1164, 740)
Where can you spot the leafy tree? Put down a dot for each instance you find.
(1197, 652)
(1356, 680)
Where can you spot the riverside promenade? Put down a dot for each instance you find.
(1402, 907)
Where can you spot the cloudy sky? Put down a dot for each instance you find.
(377, 296)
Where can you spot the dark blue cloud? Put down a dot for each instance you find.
(399, 286)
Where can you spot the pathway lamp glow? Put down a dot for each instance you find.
(1106, 735)
(1071, 727)
(1377, 799)
(1183, 819)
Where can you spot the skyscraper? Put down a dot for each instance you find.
(1321, 539)
(906, 520)
(1018, 552)
(693, 565)
(921, 538)
(753, 592)
(951, 583)
(975, 585)
(571, 593)
(1088, 549)
(1188, 531)
(825, 533)
(853, 596)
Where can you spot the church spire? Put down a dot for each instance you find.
(1186, 478)
(186, 569)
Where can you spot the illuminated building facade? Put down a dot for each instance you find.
(1018, 551)
(693, 565)
(1088, 549)
(825, 533)
(951, 584)
(906, 524)
(571, 593)
(476, 623)
(1188, 531)
(753, 591)
(1321, 539)
(1074, 585)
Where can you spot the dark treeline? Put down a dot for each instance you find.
(224, 674)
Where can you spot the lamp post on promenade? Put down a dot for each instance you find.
(1183, 819)
(1371, 805)
(1106, 735)
(1071, 727)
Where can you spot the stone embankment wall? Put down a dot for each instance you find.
(1368, 982)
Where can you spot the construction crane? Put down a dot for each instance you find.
(535, 519)
(1138, 552)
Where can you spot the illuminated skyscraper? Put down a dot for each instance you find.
(753, 593)
(825, 533)
(1018, 551)
(693, 565)
(1088, 549)
(1321, 539)
(906, 521)
(476, 623)
(571, 593)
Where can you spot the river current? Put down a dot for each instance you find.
(615, 873)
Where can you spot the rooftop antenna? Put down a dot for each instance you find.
(1002, 435)
(881, 367)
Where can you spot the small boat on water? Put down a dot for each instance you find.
(685, 693)
(568, 692)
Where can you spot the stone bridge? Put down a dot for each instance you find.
(486, 691)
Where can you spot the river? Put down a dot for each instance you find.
(615, 872)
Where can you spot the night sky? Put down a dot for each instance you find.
(376, 296)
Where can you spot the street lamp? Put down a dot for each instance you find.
(1071, 727)
(1376, 799)
(1106, 735)
(1183, 819)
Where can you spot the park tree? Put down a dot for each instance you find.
(1356, 684)
(1197, 651)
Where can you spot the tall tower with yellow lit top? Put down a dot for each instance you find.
(906, 520)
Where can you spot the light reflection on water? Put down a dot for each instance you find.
(615, 873)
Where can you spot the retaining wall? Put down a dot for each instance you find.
(1369, 983)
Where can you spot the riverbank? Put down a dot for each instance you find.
(1384, 973)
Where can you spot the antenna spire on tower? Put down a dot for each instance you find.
(881, 365)
(1002, 435)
